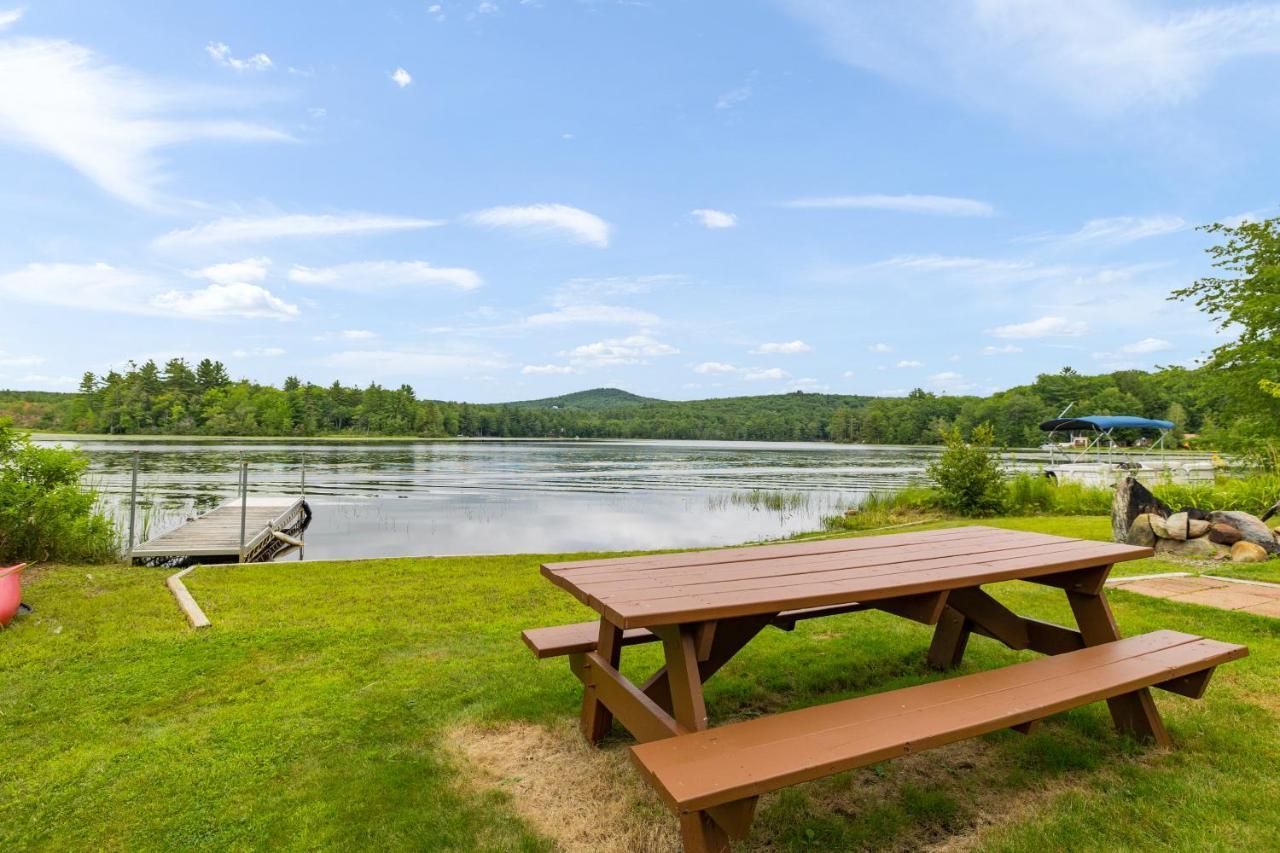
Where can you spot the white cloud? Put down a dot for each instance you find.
(106, 122)
(371, 275)
(250, 269)
(766, 374)
(102, 287)
(358, 334)
(547, 369)
(940, 205)
(880, 348)
(221, 54)
(1147, 345)
(260, 352)
(247, 301)
(250, 229)
(1044, 327)
(1007, 349)
(714, 367)
(849, 374)
(782, 348)
(714, 218)
(1097, 58)
(8, 17)
(909, 362)
(636, 349)
(579, 225)
(1123, 229)
(733, 97)
(401, 77)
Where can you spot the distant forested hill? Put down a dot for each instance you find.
(596, 398)
(177, 398)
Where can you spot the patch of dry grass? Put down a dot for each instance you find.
(584, 799)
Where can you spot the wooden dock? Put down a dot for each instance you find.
(215, 536)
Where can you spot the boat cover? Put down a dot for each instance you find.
(1102, 423)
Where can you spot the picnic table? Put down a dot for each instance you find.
(704, 607)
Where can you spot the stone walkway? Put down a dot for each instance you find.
(1262, 599)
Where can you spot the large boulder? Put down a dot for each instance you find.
(1224, 534)
(1140, 532)
(1133, 499)
(1251, 529)
(1246, 552)
(1187, 549)
(1181, 525)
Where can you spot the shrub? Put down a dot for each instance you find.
(44, 514)
(1029, 494)
(968, 474)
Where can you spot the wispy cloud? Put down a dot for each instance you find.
(733, 97)
(358, 335)
(782, 348)
(1118, 230)
(939, 205)
(102, 287)
(714, 219)
(401, 77)
(9, 17)
(107, 122)
(1147, 345)
(909, 362)
(548, 369)
(880, 348)
(579, 225)
(1007, 349)
(256, 229)
(221, 54)
(1044, 327)
(375, 275)
(587, 314)
(1096, 58)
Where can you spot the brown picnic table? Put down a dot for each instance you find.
(704, 607)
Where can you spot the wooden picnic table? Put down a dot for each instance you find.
(704, 607)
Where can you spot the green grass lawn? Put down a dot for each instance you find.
(317, 713)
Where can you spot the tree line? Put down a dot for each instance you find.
(179, 399)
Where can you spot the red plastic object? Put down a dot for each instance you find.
(10, 592)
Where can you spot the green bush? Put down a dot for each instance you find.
(968, 474)
(44, 513)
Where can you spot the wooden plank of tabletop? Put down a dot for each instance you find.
(969, 549)
(856, 587)
(766, 552)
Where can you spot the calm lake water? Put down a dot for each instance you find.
(382, 499)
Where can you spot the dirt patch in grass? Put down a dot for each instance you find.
(582, 798)
(586, 799)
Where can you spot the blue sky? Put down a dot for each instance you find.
(496, 199)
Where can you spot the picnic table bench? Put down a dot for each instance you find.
(704, 607)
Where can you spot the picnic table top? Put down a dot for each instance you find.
(698, 586)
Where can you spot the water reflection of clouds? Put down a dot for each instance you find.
(390, 499)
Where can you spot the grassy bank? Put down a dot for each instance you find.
(325, 707)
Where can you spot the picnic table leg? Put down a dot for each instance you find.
(949, 639)
(728, 638)
(701, 834)
(596, 718)
(684, 680)
(1134, 713)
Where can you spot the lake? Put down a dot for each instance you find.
(391, 499)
